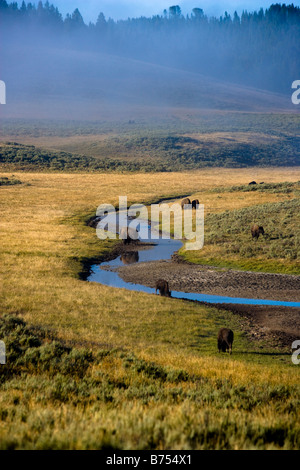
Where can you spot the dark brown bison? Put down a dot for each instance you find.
(130, 258)
(256, 230)
(225, 340)
(253, 182)
(184, 202)
(129, 235)
(93, 222)
(195, 203)
(163, 288)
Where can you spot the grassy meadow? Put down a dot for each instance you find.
(228, 241)
(91, 367)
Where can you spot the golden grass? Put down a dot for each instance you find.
(238, 371)
(43, 240)
(31, 216)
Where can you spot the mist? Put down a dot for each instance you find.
(60, 67)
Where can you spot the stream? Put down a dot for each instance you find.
(162, 249)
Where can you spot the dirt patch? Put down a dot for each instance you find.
(209, 280)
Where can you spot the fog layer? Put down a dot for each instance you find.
(55, 66)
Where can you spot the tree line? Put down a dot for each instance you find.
(46, 12)
(259, 48)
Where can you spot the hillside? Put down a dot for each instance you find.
(67, 84)
(259, 49)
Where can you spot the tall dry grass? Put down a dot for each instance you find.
(124, 400)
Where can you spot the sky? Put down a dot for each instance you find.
(122, 9)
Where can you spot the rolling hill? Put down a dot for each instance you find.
(65, 84)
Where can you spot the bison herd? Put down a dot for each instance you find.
(130, 235)
(256, 230)
(187, 202)
(225, 335)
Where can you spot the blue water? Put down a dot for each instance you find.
(163, 250)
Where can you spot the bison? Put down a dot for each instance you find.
(93, 222)
(195, 203)
(184, 202)
(163, 288)
(253, 182)
(129, 235)
(256, 230)
(225, 340)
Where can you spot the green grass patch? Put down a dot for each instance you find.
(228, 240)
(274, 188)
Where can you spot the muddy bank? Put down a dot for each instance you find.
(209, 280)
(279, 326)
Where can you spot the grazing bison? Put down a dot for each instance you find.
(93, 222)
(163, 288)
(184, 202)
(129, 235)
(130, 258)
(253, 182)
(195, 203)
(225, 340)
(256, 231)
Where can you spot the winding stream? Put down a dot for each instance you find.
(162, 249)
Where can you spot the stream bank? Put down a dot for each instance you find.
(267, 303)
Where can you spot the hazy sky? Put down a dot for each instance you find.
(119, 9)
